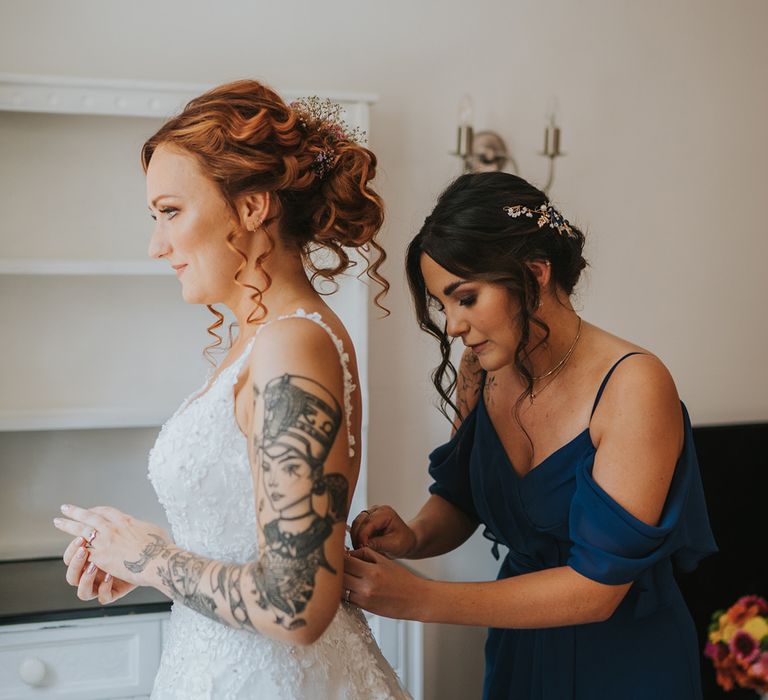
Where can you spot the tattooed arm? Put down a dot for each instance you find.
(468, 383)
(302, 471)
(439, 527)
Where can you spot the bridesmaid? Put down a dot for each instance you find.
(571, 448)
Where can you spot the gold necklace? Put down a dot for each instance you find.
(559, 366)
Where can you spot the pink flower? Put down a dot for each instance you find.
(747, 607)
(754, 600)
(744, 647)
(716, 652)
(759, 669)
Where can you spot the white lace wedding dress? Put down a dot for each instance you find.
(200, 470)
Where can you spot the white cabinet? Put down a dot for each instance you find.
(111, 658)
(91, 659)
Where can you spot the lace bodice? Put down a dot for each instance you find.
(200, 470)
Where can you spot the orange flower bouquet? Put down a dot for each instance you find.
(738, 644)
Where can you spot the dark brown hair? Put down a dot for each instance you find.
(469, 234)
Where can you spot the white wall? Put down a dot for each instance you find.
(663, 108)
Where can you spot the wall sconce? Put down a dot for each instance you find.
(485, 151)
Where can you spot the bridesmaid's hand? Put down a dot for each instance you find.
(92, 582)
(382, 529)
(121, 546)
(382, 586)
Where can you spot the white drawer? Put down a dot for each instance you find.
(91, 659)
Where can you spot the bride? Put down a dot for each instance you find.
(256, 470)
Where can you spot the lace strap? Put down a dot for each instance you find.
(349, 385)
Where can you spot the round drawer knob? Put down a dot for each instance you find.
(32, 671)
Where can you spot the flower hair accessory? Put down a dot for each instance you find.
(548, 216)
(324, 116)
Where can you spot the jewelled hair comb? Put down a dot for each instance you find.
(548, 216)
(324, 116)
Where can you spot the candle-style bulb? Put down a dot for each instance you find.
(466, 111)
(464, 139)
(551, 138)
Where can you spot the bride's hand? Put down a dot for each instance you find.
(382, 529)
(121, 546)
(92, 583)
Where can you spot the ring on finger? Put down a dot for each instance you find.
(89, 540)
(346, 595)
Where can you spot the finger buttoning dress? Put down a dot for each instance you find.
(200, 470)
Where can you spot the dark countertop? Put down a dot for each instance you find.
(35, 590)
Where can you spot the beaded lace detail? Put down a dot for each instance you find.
(200, 470)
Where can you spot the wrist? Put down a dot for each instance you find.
(153, 574)
(424, 600)
(416, 542)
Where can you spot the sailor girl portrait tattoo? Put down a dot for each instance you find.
(301, 420)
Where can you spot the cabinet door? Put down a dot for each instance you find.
(79, 661)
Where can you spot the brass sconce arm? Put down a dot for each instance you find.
(486, 151)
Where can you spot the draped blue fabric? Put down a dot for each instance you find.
(557, 515)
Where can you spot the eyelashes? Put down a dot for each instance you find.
(169, 212)
(465, 301)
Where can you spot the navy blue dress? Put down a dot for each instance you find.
(557, 515)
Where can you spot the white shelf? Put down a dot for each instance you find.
(52, 95)
(80, 419)
(128, 98)
(30, 266)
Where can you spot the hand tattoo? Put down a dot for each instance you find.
(159, 547)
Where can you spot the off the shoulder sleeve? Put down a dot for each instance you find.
(612, 546)
(449, 467)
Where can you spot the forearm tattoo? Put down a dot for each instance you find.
(301, 421)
